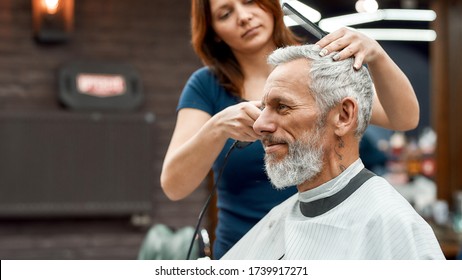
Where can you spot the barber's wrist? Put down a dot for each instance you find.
(215, 130)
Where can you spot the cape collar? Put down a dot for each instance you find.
(320, 206)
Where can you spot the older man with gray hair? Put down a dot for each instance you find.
(315, 111)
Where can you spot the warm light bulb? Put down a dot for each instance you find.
(51, 6)
(366, 6)
(370, 6)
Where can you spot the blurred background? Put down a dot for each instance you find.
(88, 91)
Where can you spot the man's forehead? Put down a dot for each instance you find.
(288, 82)
(277, 94)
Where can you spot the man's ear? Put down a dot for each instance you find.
(345, 117)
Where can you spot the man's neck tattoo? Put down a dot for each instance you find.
(340, 145)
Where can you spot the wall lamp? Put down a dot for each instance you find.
(53, 20)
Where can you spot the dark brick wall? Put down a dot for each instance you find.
(151, 35)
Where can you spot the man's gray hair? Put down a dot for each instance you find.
(331, 81)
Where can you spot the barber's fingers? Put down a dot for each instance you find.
(251, 113)
(256, 103)
(352, 50)
(349, 43)
(253, 109)
(328, 42)
(359, 58)
(238, 120)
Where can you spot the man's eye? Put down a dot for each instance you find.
(282, 107)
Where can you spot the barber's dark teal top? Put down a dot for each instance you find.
(244, 193)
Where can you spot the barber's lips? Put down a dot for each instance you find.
(252, 31)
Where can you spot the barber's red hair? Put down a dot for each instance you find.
(218, 55)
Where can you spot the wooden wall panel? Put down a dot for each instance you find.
(446, 59)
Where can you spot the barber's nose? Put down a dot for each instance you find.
(264, 124)
(244, 15)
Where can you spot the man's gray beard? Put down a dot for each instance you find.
(303, 162)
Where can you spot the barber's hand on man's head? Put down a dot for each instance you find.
(350, 43)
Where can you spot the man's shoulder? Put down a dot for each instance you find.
(379, 188)
(387, 204)
(286, 204)
(280, 211)
(266, 239)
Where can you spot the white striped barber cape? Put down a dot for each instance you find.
(375, 222)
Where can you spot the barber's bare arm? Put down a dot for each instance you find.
(198, 139)
(395, 104)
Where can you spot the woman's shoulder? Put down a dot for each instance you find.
(204, 77)
(203, 73)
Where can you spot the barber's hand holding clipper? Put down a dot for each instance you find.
(236, 122)
(198, 139)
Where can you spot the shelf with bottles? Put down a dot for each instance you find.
(409, 158)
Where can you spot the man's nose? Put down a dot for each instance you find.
(265, 123)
